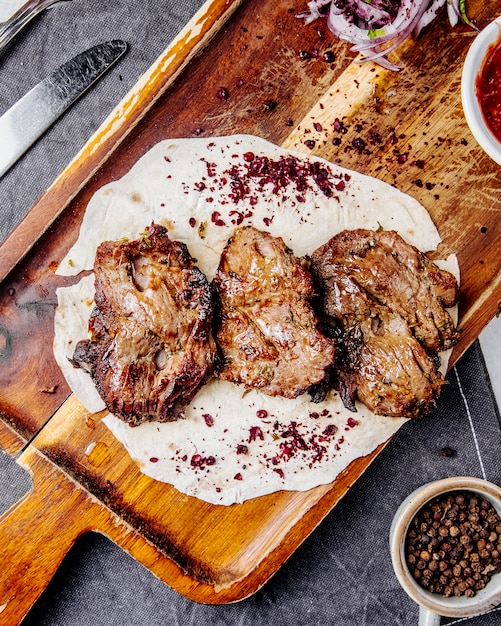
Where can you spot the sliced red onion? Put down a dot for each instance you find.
(453, 11)
(429, 15)
(369, 25)
(314, 10)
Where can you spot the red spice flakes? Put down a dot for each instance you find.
(330, 430)
(254, 433)
(286, 451)
(216, 219)
(309, 143)
(375, 138)
(222, 94)
(153, 459)
(211, 168)
(242, 449)
(197, 460)
(279, 471)
(262, 413)
(268, 220)
(328, 56)
(339, 126)
(239, 188)
(262, 172)
(192, 222)
(351, 422)
(318, 127)
(238, 476)
(237, 217)
(280, 174)
(359, 144)
(209, 420)
(311, 448)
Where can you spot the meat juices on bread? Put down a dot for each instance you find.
(266, 328)
(151, 343)
(385, 302)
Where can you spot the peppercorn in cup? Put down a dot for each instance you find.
(445, 544)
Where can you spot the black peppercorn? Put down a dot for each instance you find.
(452, 545)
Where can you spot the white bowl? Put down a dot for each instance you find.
(471, 107)
(433, 604)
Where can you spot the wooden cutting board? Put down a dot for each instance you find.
(405, 127)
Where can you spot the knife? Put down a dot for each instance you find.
(35, 112)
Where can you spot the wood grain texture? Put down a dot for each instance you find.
(211, 554)
(406, 128)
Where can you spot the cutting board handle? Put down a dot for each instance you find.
(36, 534)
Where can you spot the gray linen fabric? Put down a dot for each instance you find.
(342, 574)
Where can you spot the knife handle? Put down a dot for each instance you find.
(36, 534)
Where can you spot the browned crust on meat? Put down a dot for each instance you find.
(151, 343)
(396, 274)
(266, 328)
(384, 303)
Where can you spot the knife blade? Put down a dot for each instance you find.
(36, 111)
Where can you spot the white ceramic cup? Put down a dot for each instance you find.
(471, 107)
(433, 605)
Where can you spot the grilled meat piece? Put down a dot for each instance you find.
(378, 359)
(266, 328)
(151, 343)
(384, 306)
(396, 275)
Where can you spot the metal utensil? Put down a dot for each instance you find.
(35, 112)
(11, 27)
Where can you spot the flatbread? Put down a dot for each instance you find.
(235, 444)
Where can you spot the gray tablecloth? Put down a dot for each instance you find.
(342, 574)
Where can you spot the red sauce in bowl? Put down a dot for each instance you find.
(488, 87)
